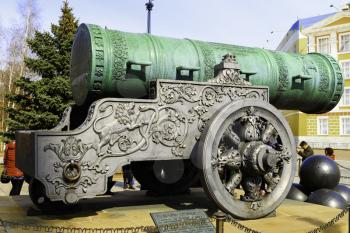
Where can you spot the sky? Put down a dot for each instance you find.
(254, 23)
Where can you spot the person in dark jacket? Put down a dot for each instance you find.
(128, 177)
(329, 152)
(305, 151)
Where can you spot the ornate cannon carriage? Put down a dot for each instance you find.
(178, 110)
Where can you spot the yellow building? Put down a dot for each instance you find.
(329, 34)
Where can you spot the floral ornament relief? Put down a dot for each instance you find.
(134, 126)
(204, 100)
(70, 151)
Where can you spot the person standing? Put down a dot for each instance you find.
(329, 152)
(305, 151)
(16, 175)
(128, 177)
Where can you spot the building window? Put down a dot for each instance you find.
(345, 125)
(345, 65)
(322, 125)
(346, 97)
(344, 42)
(323, 45)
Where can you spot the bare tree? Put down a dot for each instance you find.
(29, 12)
(17, 49)
(2, 84)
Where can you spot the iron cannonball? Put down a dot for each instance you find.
(327, 197)
(302, 188)
(344, 191)
(318, 172)
(297, 193)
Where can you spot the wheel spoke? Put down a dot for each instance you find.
(271, 179)
(235, 179)
(252, 188)
(231, 138)
(269, 133)
(271, 137)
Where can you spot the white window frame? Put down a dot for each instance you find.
(341, 131)
(340, 41)
(341, 63)
(343, 97)
(329, 44)
(319, 126)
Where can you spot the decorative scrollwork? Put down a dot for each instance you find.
(165, 125)
(210, 96)
(177, 93)
(89, 116)
(59, 183)
(71, 149)
(65, 120)
(97, 168)
(203, 98)
(116, 128)
(228, 72)
(124, 143)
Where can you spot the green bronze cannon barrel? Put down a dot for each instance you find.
(107, 63)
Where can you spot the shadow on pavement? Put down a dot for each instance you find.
(131, 200)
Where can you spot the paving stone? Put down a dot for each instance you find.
(129, 208)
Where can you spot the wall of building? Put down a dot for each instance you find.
(307, 126)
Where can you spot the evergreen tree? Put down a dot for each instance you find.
(41, 100)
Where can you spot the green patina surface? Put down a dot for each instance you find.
(107, 63)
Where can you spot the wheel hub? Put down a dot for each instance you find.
(258, 158)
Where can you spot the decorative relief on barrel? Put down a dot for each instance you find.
(120, 55)
(99, 55)
(339, 82)
(308, 67)
(323, 74)
(339, 76)
(282, 71)
(209, 61)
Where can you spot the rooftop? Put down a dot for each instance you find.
(307, 22)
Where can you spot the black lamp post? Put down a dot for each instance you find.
(149, 7)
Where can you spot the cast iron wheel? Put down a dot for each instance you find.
(42, 202)
(247, 159)
(165, 177)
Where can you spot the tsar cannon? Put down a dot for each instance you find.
(177, 110)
